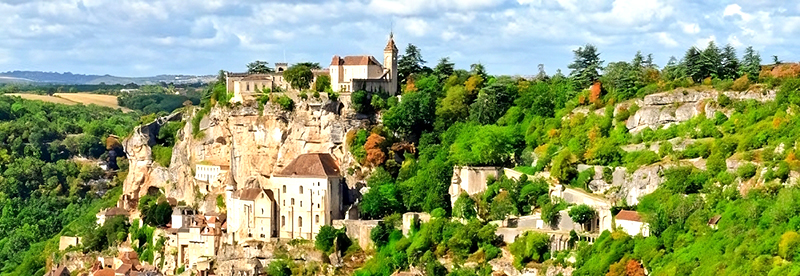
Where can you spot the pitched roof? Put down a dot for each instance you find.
(629, 215)
(714, 220)
(104, 272)
(390, 45)
(312, 164)
(124, 268)
(355, 60)
(116, 211)
(247, 194)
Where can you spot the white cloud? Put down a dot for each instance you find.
(414, 26)
(703, 42)
(734, 41)
(666, 40)
(689, 28)
(735, 9)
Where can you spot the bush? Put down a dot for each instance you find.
(723, 100)
(286, 103)
(326, 236)
(741, 84)
(531, 246)
(582, 213)
(722, 85)
(746, 171)
(162, 155)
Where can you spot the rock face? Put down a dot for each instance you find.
(629, 187)
(662, 109)
(251, 144)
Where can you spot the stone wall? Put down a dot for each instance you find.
(358, 229)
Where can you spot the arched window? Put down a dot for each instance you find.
(316, 218)
(299, 221)
(284, 189)
(301, 190)
(283, 221)
(292, 201)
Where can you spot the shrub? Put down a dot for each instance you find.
(285, 103)
(162, 155)
(303, 95)
(746, 171)
(722, 85)
(723, 100)
(741, 84)
(326, 236)
(531, 246)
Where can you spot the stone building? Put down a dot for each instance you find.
(354, 73)
(471, 180)
(631, 222)
(308, 195)
(198, 237)
(251, 212)
(296, 202)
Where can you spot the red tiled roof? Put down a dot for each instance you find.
(355, 60)
(312, 164)
(124, 268)
(714, 220)
(629, 215)
(104, 272)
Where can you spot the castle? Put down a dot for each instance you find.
(353, 73)
(347, 73)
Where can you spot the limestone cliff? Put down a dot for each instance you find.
(249, 144)
(680, 105)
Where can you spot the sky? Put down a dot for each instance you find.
(145, 38)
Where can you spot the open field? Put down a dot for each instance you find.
(75, 98)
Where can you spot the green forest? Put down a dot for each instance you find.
(468, 117)
(50, 185)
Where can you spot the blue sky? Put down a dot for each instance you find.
(143, 38)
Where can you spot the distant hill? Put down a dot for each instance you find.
(70, 78)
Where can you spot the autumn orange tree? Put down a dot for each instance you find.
(375, 150)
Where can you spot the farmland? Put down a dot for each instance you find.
(75, 98)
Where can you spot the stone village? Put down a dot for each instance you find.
(310, 190)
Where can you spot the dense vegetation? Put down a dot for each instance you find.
(43, 189)
(467, 117)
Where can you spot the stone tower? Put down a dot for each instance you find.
(390, 63)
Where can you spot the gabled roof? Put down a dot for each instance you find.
(247, 194)
(312, 165)
(629, 215)
(104, 272)
(355, 60)
(714, 220)
(390, 45)
(124, 268)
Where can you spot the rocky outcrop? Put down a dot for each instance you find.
(663, 109)
(250, 143)
(629, 187)
(138, 148)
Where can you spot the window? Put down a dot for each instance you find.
(317, 205)
(262, 211)
(284, 189)
(301, 203)
(283, 221)
(299, 221)
(301, 190)
(316, 218)
(284, 202)
(248, 87)
(292, 201)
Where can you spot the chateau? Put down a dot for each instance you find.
(353, 73)
(347, 73)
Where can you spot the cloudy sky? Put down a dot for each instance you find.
(142, 38)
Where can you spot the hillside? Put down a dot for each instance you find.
(70, 78)
(701, 158)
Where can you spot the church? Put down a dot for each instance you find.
(354, 73)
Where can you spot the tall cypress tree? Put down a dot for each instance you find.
(711, 61)
(730, 63)
(751, 63)
(587, 65)
(409, 64)
(692, 64)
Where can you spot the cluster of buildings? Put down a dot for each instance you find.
(347, 74)
(296, 202)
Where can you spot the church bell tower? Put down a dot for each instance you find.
(390, 63)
